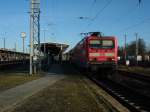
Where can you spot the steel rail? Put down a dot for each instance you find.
(127, 97)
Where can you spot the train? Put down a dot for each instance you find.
(95, 52)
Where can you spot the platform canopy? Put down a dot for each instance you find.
(53, 48)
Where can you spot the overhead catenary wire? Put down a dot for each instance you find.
(138, 5)
(107, 4)
(99, 12)
(91, 9)
(93, 4)
(128, 13)
(52, 24)
(137, 24)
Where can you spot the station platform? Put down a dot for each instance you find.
(63, 89)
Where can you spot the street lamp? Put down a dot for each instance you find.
(44, 31)
(23, 36)
(4, 40)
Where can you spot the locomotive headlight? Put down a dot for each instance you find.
(113, 59)
(109, 54)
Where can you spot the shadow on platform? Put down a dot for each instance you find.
(15, 69)
(63, 69)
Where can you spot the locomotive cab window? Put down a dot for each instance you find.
(101, 44)
(94, 43)
(107, 44)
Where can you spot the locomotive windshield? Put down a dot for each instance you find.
(101, 44)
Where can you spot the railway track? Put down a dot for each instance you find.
(137, 82)
(134, 101)
(128, 96)
(141, 77)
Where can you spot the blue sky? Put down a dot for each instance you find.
(61, 20)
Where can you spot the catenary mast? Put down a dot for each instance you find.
(34, 36)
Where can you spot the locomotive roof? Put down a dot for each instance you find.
(92, 34)
(95, 37)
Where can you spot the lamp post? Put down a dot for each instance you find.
(4, 40)
(136, 48)
(44, 31)
(23, 36)
(125, 51)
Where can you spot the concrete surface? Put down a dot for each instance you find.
(15, 96)
(74, 93)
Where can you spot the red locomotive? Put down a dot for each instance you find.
(95, 52)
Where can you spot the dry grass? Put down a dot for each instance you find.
(10, 80)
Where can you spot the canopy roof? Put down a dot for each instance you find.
(53, 48)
